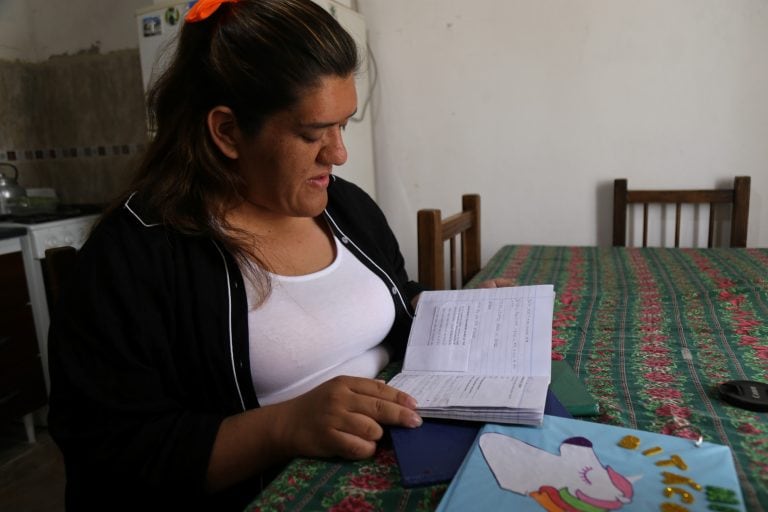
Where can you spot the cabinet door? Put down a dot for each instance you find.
(22, 387)
(13, 281)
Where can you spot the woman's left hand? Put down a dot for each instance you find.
(499, 282)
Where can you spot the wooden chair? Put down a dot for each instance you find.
(433, 231)
(59, 262)
(737, 197)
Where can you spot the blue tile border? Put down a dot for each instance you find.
(21, 155)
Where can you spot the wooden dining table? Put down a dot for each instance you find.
(651, 332)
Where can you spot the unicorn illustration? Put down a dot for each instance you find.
(574, 479)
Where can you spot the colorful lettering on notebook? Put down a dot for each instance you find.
(715, 496)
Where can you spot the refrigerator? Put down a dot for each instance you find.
(158, 26)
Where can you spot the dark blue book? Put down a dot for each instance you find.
(432, 453)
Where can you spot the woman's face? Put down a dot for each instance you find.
(288, 163)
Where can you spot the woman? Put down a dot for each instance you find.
(233, 310)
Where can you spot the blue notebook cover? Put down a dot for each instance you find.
(432, 453)
(569, 464)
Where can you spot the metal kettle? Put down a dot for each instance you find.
(11, 193)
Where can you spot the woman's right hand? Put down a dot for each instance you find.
(342, 417)
(339, 418)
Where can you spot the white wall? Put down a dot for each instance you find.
(538, 105)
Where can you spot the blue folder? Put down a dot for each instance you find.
(432, 453)
(635, 475)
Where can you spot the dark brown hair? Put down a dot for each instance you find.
(256, 57)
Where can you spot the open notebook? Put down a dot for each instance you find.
(480, 354)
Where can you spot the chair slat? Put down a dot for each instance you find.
(452, 265)
(645, 224)
(740, 211)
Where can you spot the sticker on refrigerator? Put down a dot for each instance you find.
(172, 16)
(152, 26)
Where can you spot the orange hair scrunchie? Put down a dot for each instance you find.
(204, 8)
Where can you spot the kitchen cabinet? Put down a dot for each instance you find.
(22, 386)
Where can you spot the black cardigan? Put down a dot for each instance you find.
(148, 353)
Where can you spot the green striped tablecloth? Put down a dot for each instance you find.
(651, 332)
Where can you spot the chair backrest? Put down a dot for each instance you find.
(737, 197)
(433, 231)
(59, 263)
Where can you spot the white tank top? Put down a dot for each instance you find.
(318, 326)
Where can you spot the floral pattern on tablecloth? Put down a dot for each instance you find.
(362, 486)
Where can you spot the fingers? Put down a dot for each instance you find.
(352, 436)
(375, 400)
(387, 413)
(498, 282)
(382, 403)
(344, 417)
(362, 426)
(354, 447)
(379, 388)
